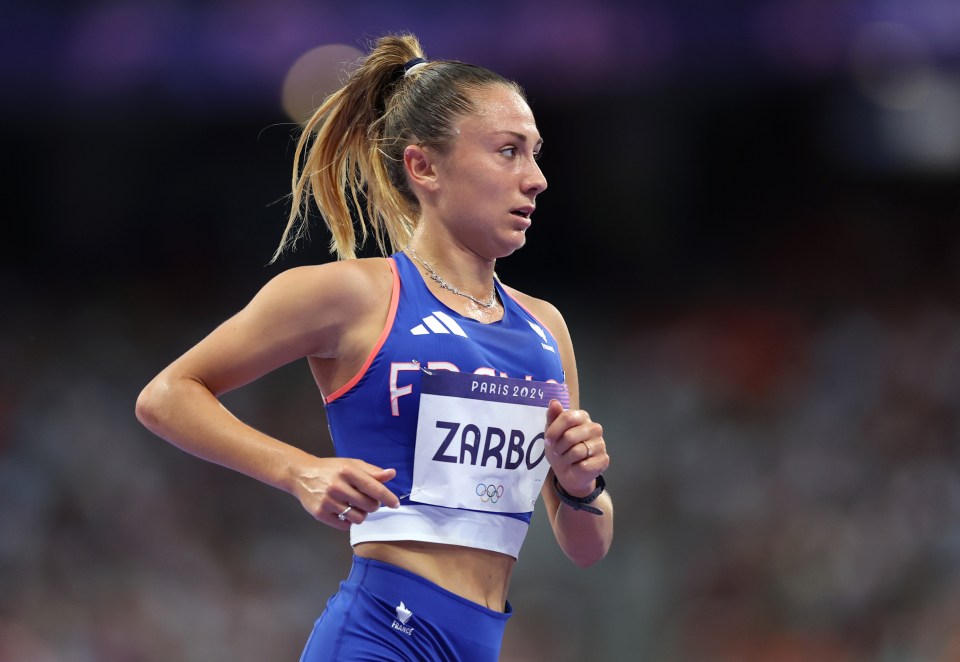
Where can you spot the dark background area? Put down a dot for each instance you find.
(752, 229)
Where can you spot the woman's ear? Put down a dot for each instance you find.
(421, 167)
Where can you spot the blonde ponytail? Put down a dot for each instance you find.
(349, 157)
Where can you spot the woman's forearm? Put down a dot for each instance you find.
(185, 413)
(583, 536)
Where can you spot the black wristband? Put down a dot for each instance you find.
(581, 503)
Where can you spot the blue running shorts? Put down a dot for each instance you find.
(383, 613)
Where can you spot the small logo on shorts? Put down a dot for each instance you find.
(403, 615)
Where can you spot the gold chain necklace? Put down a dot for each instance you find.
(435, 277)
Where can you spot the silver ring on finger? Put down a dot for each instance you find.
(343, 516)
(587, 446)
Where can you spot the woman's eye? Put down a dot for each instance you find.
(511, 152)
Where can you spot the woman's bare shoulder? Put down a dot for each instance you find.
(357, 282)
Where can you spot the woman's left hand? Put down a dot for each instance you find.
(574, 448)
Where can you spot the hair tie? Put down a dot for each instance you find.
(413, 65)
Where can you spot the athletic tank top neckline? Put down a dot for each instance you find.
(501, 293)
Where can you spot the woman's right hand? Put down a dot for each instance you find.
(326, 487)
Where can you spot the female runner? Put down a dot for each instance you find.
(452, 399)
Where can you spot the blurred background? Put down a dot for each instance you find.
(752, 228)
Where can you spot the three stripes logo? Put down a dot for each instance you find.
(438, 322)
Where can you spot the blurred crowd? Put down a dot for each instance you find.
(798, 491)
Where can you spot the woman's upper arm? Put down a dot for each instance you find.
(305, 311)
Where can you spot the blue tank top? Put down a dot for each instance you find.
(374, 416)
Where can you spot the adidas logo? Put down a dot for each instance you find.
(403, 615)
(438, 322)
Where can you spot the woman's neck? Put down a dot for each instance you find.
(462, 280)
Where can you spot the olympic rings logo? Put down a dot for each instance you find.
(491, 493)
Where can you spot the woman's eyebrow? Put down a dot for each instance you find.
(519, 136)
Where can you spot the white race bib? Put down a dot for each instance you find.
(480, 441)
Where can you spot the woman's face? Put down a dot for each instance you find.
(488, 182)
